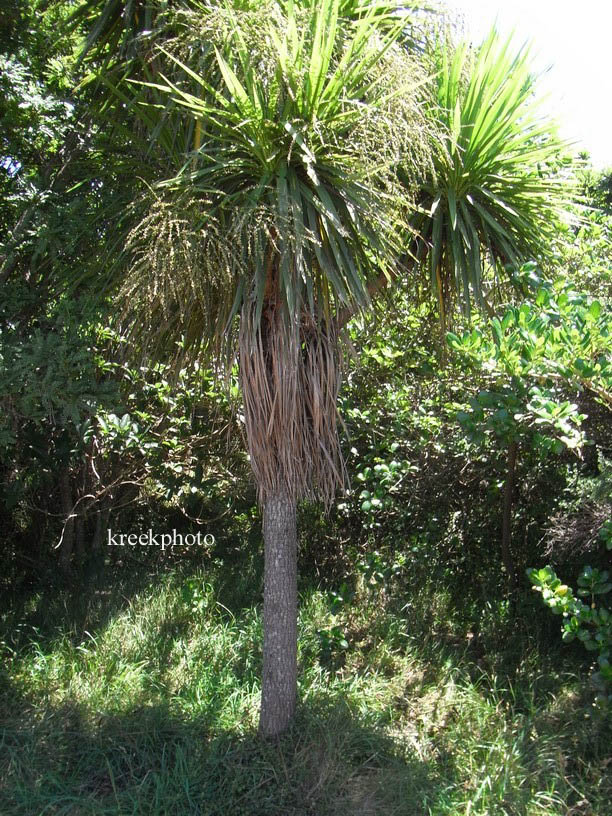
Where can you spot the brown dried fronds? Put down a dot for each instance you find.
(290, 378)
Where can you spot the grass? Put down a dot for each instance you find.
(147, 704)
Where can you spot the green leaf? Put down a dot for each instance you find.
(594, 310)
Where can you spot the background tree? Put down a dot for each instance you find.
(491, 201)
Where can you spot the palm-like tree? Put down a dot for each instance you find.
(294, 146)
(491, 199)
(282, 212)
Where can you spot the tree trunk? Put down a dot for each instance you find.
(67, 507)
(79, 540)
(102, 515)
(279, 681)
(507, 559)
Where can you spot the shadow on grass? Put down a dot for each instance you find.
(149, 761)
(149, 757)
(81, 605)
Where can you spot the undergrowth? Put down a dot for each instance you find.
(146, 702)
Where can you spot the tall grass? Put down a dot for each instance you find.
(149, 706)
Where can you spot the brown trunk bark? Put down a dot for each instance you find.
(442, 310)
(279, 681)
(507, 559)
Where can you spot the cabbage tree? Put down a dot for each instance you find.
(495, 194)
(282, 127)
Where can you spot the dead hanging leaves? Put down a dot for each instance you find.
(290, 376)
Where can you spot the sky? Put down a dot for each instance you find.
(574, 41)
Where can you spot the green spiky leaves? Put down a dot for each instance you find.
(491, 198)
(283, 206)
(296, 150)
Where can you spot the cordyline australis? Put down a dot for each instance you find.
(283, 211)
(287, 148)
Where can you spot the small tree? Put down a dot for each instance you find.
(283, 205)
(290, 145)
